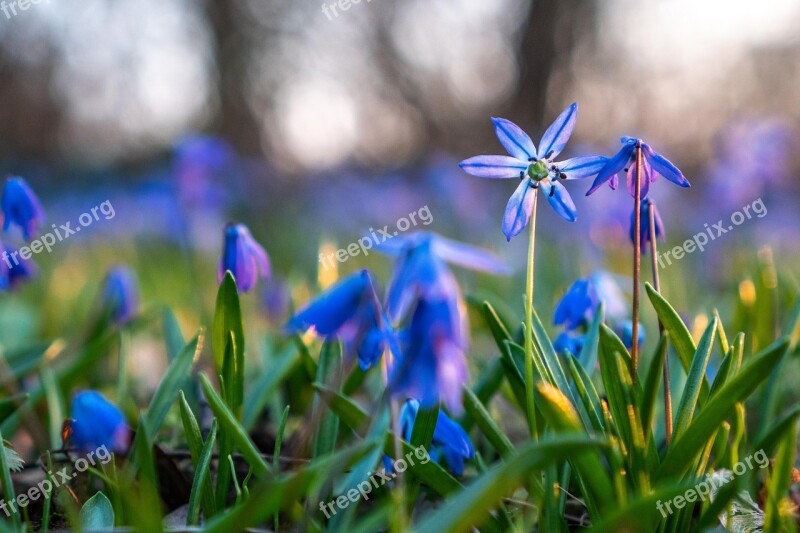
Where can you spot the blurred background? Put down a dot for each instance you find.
(312, 122)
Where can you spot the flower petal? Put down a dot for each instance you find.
(518, 209)
(582, 167)
(647, 177)
(513, 139)
(332, 309)
(612, 166)
(560, 200)
(555, 138)
(664, 166)
(494, 166)
(468, 256)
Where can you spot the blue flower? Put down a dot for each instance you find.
(121, 295)
(21, 207)
(644, 233)
(421, 272)
(569, 342)
(653, 165)
(624, 329)
(577, 306)
(535, 168)
(433, 365)
(349, 311)
(95, 423)
(14, 269)
(243, 257)
(450, 441)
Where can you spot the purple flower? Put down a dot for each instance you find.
(349, 311)
(644, 233)
(243, 257)
(433, 365)
(653, 165)
(534, 168)
(121, 295)
(96, 423)
(450, 441)
(21, 207)
(421, 271)
(576, 308)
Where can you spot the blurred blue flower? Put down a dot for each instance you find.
(569, 342)
(433, 366)
(243, 257)
(450, 441)
(624, 329)
(349, 311)
(21, 207)
(96, 422)
(535, 168)
(120, 295)
(644, 234)
(653, 165)
(275, 299)
(577, 307)
(420, 270)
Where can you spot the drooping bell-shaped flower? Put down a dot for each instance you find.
(653, 165)
(120, 295)
(535, 168)
(433, 365)
(577, 307)
(350, 311)
(243, 257)
(95, 422)
(450, 441)
(644, 233)
(624, 329)
(420, 270)
(567, 341)
(21, 207)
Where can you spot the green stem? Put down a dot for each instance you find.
(529, 323)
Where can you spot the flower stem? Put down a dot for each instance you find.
(637, 261)
(657, 286)
(529, 323)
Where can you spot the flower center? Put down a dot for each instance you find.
(537, 171)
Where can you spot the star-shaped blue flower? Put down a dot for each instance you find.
(535, 168)
(653, 165)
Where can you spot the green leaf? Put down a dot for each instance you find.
(472, 506)
(266, 383)
(587, 393)
(769, 442)
(173, 337)
(97, 513)
(588, 355)
(169, 387)
(487, 425)
(5, 477)
(201, 476)
(194, 439)
(652, 382)
(227, 320)
(685, 449)
(696, 377)
(678, 332)
(329, 371)
(496, 325)
(230, 425)
(276, 454)
(777, 509)
(11, 404)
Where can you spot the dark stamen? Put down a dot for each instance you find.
(552, 191)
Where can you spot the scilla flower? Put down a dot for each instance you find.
(21, 207)
(243, 257)
(433, 365)
(624, 329)
(569, 342)
(96, 422)
(535, 168)
(644, 234)
(450, 441)
(576, 308)
(120, 295)
(653, 165)
(349, 311)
